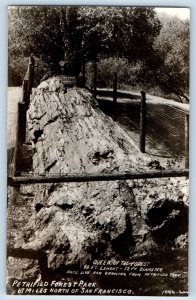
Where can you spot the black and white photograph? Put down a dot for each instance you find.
(98, 150)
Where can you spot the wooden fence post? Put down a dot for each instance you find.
(84, 73)
(20, 137)
(95, 78)
(28, 81)
(187, 141)
(23, 117)
(142, 122)
(115, 97)
(25, 92)
(31, 73)
(29, 77)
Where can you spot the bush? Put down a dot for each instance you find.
(17, 69)
(127, 73)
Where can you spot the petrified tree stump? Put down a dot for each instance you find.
(76, 222)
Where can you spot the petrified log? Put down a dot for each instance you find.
(163, 204)
(78, 221)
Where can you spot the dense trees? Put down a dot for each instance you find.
(121, 34)
(111, 31)
(173, 47)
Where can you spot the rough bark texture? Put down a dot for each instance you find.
(72, 135)
(163, 204)
(76, 222)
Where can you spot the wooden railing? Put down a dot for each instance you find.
(57, 178)
(21, 115)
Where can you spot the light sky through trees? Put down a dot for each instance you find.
(182, 13)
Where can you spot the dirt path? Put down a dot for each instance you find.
(14, 94)
(126, 96)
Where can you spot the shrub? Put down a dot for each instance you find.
(127, 73)
(17, 69)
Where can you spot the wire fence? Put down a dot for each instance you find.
(170, 128)
(165, 126)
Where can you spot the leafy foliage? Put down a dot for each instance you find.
(59, 32)
(172, 46)
(34, 29)
(128, 73)
(129, 40)
(120, 31)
